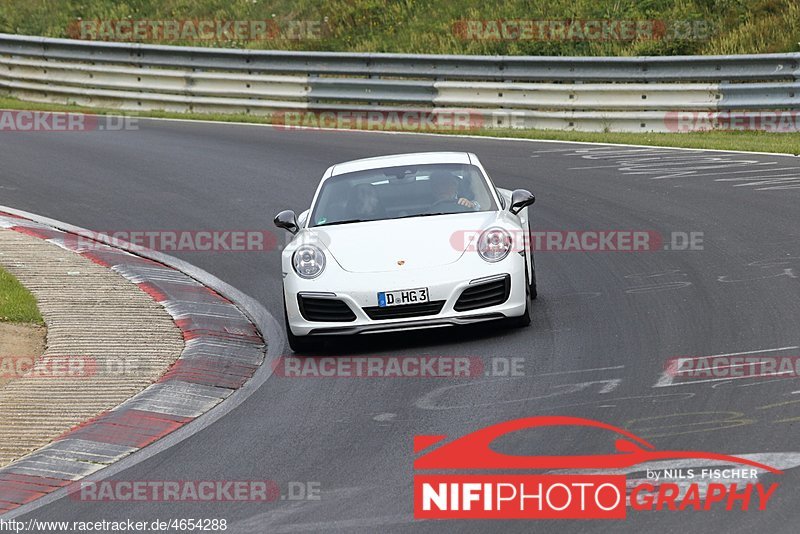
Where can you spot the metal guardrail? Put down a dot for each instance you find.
(584, 93)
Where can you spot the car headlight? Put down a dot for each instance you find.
(494, 244)
(308, 261)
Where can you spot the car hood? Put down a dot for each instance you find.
(403, 244)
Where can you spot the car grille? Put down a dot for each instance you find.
(484, 295)
(406, 310)
(325, 310)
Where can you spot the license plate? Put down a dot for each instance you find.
(402, 296)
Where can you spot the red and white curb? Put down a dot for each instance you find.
(223, 349)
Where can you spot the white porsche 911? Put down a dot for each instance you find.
(406, 242)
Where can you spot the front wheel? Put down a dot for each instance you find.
(532, 287)
(524, 319)
(298, 343)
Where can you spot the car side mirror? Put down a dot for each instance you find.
(520, 199)
(287, 220)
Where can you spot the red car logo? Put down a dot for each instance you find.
(474, 451)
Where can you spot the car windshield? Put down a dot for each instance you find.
(399, 192)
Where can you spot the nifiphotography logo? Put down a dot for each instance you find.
(500, 495)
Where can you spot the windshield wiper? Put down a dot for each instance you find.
(426, 214)
(348, 221)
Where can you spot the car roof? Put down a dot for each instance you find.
(398, 160)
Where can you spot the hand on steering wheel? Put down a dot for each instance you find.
(462, 204)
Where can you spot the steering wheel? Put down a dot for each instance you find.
(450, 202)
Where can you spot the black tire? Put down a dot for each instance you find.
(302, 344)
(524, 319)
(532, 289)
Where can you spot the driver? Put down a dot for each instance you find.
(445, 189)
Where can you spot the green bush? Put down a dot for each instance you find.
(419, 26)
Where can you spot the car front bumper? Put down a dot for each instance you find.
(360, 290)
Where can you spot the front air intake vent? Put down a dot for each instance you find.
(325, 310)
(484, 294)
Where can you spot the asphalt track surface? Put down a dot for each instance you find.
(603, 327)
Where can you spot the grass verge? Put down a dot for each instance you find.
(17, 304)
(748, 141)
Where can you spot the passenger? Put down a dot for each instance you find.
(364, 204)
